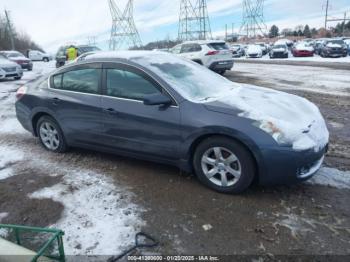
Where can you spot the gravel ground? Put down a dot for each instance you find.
(187, 218)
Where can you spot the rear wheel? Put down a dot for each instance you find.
(224, 165)
(45, 59)
(51, 135)
(222, 72)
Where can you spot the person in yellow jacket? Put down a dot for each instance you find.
(72, 53)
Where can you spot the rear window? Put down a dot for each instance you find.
(218, 46)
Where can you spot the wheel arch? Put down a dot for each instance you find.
(246, 143)
(35, 119)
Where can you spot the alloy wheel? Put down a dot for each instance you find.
(221, 166)
(49, 136)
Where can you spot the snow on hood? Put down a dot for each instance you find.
(333, 45)
(303, 46)
(254, 49)
(5, 63)
(290, 119)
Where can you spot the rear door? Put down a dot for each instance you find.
(191, 51)
(75, 100)
(128, 123)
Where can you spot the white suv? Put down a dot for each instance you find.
(212, 54)
(35, 55)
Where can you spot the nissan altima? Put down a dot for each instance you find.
(159, 107)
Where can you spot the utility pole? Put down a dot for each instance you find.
(326, 18)
(343, 29)
(10, 30)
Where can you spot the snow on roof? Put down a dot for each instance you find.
(204, 42)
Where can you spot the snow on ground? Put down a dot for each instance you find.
(331, 177)
(98, 217)
(8, 157)
(314, 79)
(314, 58)
(8, 87)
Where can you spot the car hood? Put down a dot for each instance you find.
(289, 119)
(332, 45)
(279, 50)
(19, 59)
(7, 63)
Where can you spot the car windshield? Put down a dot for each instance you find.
(278, 46)
(191, 80)
(85, 49)
(218, 46)
(338, 42)
(15, 55)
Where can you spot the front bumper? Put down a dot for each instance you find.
(221, 65)
(286, 166)
(303, 53)
(279, 55)
(10, 73)
(336, 53)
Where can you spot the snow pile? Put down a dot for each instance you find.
(98, 218)
(331, 177)
(8, 156)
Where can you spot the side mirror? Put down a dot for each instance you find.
(157, 99)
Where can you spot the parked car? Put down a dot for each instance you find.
(287, 42)
(213, 54)
(237, 50)
(334, 48)
(9, 69)
(253, 51)
(302, 49)
(264, 48)
(36, 55)
(61, 55)
(18, 58)
(159, 107)
(279, 51)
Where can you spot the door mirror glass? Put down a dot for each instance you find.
(156, 99)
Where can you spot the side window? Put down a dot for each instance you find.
(57, 81)
(81, 80)
(186, 48)
(127, 84)
(176, 49)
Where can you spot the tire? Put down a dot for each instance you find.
(45, 59)
(30, 69)
(243, 166)
(222, 72)
(18, 77)
(50, 124)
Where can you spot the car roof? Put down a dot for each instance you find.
(204, 42)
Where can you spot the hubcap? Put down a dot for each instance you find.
(49, 136)
(221, 166)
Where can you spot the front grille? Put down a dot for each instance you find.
(9, 69)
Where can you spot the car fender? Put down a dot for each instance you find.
(189, 144)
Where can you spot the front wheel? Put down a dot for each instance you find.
(224, 165)
(18, 77)
(51, 135)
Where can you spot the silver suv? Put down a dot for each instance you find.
(213, 54)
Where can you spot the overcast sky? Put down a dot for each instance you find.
(54, 22)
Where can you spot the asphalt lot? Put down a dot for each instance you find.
(304, 219)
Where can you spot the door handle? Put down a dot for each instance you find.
(55, 101)
(110, 111)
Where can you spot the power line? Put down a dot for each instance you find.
(194, 21)
(253, 18)
(124, 33)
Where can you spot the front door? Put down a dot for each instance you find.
(128, 123)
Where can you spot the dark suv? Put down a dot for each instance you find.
(61, 57)
(334, 48)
